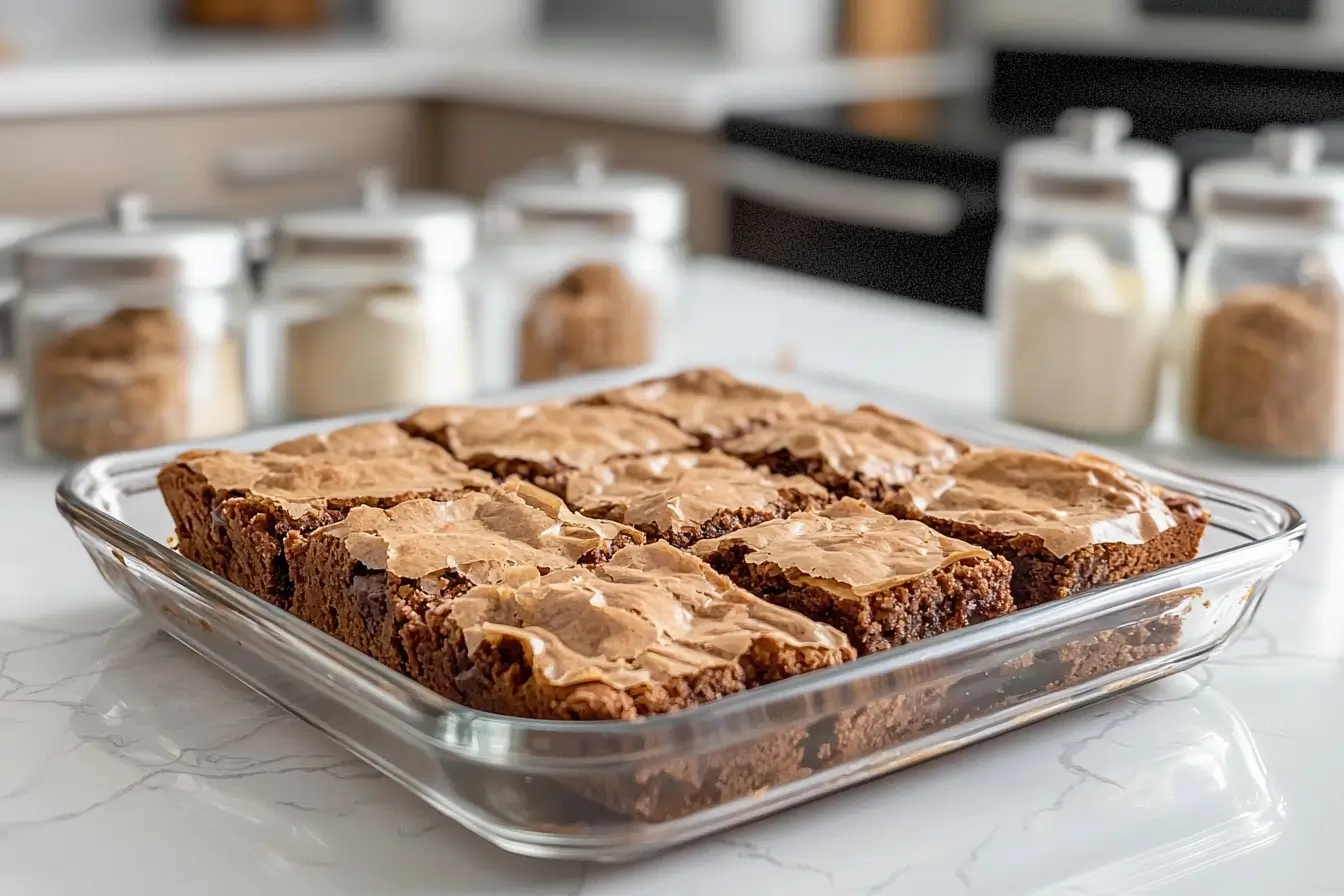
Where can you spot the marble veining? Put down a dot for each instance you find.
(130, 766)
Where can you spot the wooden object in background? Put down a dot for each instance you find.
(891, 28)
(274, 14)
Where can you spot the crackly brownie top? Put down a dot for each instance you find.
(477, 535)
(572, 436)
(358, 462)
(713, 403)
(848, 549)
(679, 489)
(1068, 503)
(652, 614)
(361, 440)
(866, 441)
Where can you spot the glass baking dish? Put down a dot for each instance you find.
(615, 791)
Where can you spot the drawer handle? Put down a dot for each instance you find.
(262, 166)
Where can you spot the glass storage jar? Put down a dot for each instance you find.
(1084, 277)
(12, 232)
(365, 307)
(583, 270)
(1262, 336)
(128, 332)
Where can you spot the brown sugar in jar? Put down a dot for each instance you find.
(126, 382)
(1268, 372)
(593, 319)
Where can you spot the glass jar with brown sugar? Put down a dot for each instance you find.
(594, 318)
(129, 332)
(1264, 347)
(581, 270)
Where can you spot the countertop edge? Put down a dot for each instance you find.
(694, 94)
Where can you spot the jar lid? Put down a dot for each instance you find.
(1283, 182)
(583, 195)
(130, 245)
(1090, 161)
(435, 233)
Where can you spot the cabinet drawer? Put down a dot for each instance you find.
(230, 161)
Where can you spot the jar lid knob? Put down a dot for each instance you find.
(1292, 150)
(128, 210)
(1095, 131)
(377, 190)
(588, 161)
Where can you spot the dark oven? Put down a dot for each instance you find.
(809, 195)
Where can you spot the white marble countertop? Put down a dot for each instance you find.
(664, 86)
(130, 766)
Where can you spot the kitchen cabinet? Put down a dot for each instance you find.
(479, 143)
(266, 160)
(252, 161)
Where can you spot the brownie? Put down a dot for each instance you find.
(866, 453)
(880, 580)
(232, 510)
(682, 497)
(544, 444)
(371, 579)
(1066, 524)
(712, 405)
(651, 631)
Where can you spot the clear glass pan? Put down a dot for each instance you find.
(616, 791)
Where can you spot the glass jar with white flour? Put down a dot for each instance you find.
(365, 308)
(1084, 277)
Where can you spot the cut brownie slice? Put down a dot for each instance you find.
(651, 631)
(232, 510)
(544, 444)
(685, 496)
(867, 453)
(880, 580)
(1066, 524)
(713, 405)
(371, 578)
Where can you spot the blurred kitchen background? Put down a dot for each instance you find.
(857, 141)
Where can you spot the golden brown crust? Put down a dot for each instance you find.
(681, 489)
(1064, 503)
(479, 536)
(712, 404)
(568, 437)
(651, 616)
(866, 444)
(848, 549)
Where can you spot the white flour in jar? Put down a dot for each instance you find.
(1081, 342)
(394, 348)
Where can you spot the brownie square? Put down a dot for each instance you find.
(866, 453)
(685, 496)
(880, 580)
(371, 579)
(544, 444)
(651, 631)
(232, 510)
(712, 405)
(1066, 524)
